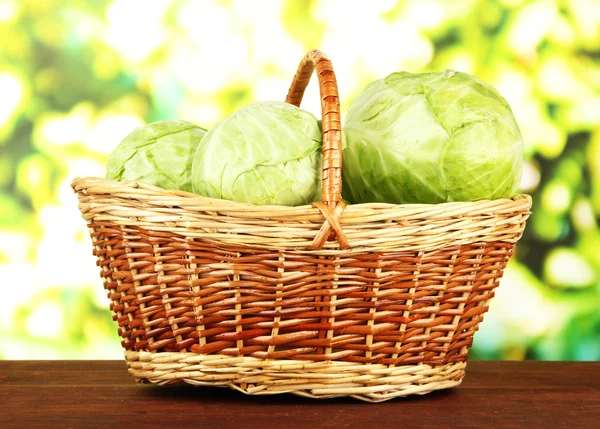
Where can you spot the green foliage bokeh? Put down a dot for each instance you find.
(77, 76)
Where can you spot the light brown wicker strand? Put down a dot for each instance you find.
(111, 292)
(440, 294)
(331, 320)
(319, 303)
(372, 310)
(403, 326)
(165, 296)
(467, 294)
(456, 319)
(330, 226)
(491, 284)
(125, 328)
(197, 307)
(239, 327)
(278, 299)
(136, 285)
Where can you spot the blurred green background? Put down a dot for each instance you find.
(77, 76)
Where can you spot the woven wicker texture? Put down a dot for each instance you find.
(321, 380)
(389, 296)
(331, 121)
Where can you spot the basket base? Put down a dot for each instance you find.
(320, 380)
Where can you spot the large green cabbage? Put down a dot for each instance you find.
(430, 138)
(264, 153)
(159, 153)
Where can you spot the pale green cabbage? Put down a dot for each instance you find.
(159, 153)
(264, 153)
(430, 138)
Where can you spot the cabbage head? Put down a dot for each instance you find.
(159, 153)
(430, 138)
(264, 153)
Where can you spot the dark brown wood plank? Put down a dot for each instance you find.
(100, 394)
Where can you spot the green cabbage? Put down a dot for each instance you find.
(159, 153)
(430, 138)
(264, 153)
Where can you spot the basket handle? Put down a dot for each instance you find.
(332, 124)
(332, 206)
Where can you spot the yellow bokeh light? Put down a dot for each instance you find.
(584, 114)
(50, 31)
(24, 281)
(64, 129)
(14, 246)
(202, 113)
(9, 10)
(531, 177)
(460, 61)
(514, 85)
(583, 216)
(587, 21)
(558, 81)
(46, 321)
(32, 178)
(551, 139)
(134, 31)
(62, 227)
(427, 14)
(106, 66)
(533, 23)
(562, 32)
(556, 197)
(566, 268)
(325, 10)
(108, 131)
(77, 167)
(539, 132)
(520, 304)
(12, 92)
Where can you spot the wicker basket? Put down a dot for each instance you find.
(372, 301)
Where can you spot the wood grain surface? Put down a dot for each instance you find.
(100, 394)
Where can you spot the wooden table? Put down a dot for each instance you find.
(100, 394)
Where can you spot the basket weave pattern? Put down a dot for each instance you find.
(169, 293)
(370, 300)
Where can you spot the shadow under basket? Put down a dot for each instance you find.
(372, 301)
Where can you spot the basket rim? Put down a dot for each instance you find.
(80, 183)
(370, 227)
